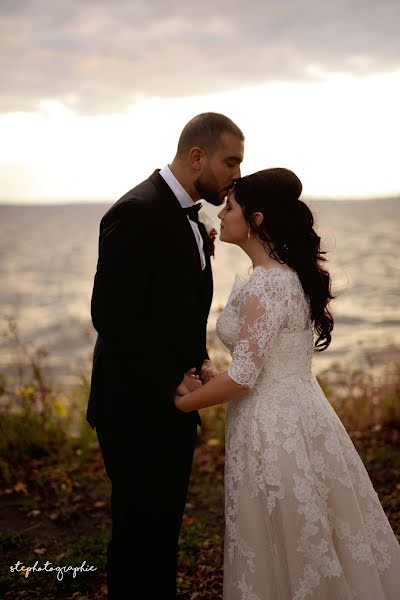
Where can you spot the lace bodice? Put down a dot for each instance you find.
(266, 326)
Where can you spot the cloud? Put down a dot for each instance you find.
(100, 57)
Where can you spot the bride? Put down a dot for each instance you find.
(302, 517)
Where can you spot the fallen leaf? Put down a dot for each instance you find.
(188, 520)
(213, 442)
(20, 487)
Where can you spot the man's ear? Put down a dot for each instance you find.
(258, 218)
(196, 158)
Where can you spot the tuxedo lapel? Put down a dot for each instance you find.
(206, 242)
(207, 286)
(177, 221)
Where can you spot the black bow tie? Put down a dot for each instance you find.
(193, 212)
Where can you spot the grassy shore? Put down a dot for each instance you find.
(54, 494)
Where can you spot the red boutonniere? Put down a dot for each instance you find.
(211, 240)
(211, 231)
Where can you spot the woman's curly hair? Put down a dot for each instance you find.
(288, 235)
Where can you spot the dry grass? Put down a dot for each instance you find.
(362, 398)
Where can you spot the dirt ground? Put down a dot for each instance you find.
(60, 513)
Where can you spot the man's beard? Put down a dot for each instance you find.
(209, 191)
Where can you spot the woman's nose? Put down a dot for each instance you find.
(219, 215)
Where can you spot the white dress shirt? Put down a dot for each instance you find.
(185, 201)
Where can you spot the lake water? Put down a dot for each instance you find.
(48, 256)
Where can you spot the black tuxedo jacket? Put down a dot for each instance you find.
(150, 306)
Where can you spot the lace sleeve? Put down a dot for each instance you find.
(263, 311)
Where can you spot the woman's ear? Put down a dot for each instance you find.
(258, 218)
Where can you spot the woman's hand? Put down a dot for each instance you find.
(218, 390)
(208, 371)
(189, 383)
(178, 401)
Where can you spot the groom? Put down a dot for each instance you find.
(151, 298)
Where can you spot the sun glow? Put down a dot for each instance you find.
(339, 135)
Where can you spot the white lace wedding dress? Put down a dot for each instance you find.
(302, 517)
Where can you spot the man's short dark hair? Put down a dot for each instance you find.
(204, 131)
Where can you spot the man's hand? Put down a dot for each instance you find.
(189, 383)
(208, 371)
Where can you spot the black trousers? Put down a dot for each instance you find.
(149, 471)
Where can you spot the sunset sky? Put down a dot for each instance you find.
(94, 94)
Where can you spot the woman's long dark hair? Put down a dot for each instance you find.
(287, 233)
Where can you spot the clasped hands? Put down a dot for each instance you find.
(191, 381)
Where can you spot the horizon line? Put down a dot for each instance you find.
(68, 200)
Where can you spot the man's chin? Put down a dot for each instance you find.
(214, 201)
(217, 199)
